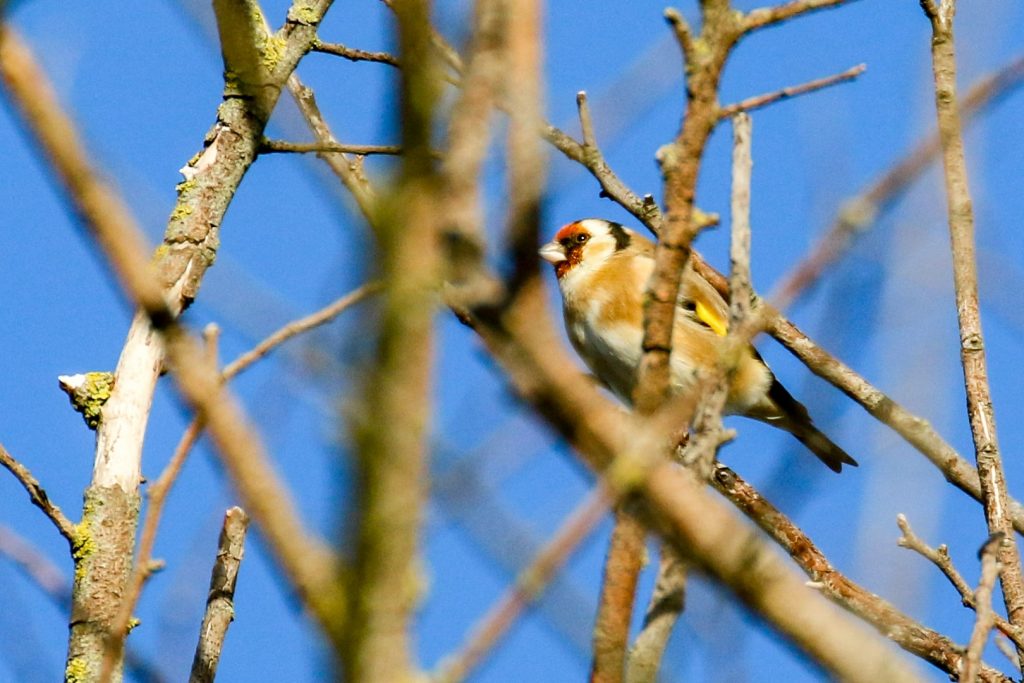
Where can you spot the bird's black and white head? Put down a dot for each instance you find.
(585, 245)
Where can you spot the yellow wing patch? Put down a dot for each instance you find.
(709, 317)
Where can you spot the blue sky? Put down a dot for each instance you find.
(144, 86)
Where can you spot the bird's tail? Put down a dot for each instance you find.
(792, 416)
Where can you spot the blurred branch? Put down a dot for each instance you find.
(268, 146)
(752, 103)
(929, 645)
(391, 427)
(972, 344)
(626, 556)
(857, 214)
(36, 566)
(528, 587)
(469, 135)
(941, 559)
(527, 168)
(37, 494)
(220, 609)
(663, 610)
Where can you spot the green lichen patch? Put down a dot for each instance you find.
(88, 393)
(77, 670)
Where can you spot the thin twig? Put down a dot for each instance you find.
(972, 344)
(940, 558)
(986, 616)
(37, 494)
(355, 54)
(220, 609)
(752, 103)
(528, 587)
(268, 146)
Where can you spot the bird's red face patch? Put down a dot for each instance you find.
(572, 238)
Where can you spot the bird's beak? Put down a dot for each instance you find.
(552, 252)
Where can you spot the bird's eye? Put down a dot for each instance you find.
(582, 237)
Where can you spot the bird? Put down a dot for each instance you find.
(602, 268)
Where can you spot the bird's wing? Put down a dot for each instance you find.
(698, 296)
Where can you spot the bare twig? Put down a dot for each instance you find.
(663, 610)
(929, 645)
(355, 54)
(37, 494)
(986, 616)
(752, 103)
(220, 609)
(268, 146)
(528, 587)
(940, 558)
(972, 344)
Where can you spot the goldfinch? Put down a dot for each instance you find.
(603, 269)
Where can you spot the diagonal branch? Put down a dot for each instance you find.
(923, 642)
(752, 103)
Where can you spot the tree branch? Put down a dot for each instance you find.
(972, 343)
(391, 429)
